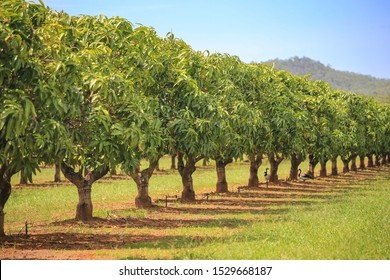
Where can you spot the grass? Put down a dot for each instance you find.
(356, 226)
(345, 217)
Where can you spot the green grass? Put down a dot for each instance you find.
(356, 226)
(341, 218)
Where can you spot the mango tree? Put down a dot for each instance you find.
(253, 81)
(374, 129)
(221, 74)
(150, 79)
(355, 126)
(106, 93)
(384, 139)
(30, 124)
(288, 123)
(322, 111)
(193, 115)
(296, 119)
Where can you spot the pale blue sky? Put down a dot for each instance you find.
(351, 35)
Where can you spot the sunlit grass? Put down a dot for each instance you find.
(59, 202)
(345, 218)
(356, 226)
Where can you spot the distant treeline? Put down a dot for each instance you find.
(347, 81)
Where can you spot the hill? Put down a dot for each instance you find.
(347, 81)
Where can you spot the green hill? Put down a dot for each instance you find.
(347, 81)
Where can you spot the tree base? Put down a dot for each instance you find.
(188, 196)
(84, 213)
(143, 202)
(222, 187)
(253, 183)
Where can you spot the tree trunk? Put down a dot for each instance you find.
(113, 171)
(312, 165)
(370, 162)
(57, 174)
(377, 160)
(5, 192)
(334, 167)
(384, 161)
(141, 178)
(186, 170)
(158, 166)
(2, 230)
(274, 160)
(222, 185)
(143, 200)
(296, 160)
(173, 162)
(204, 162)
(84, 210)
(353, 163)
(362, 166)
(345, 165)
(23, 178)
(323, 172)
(255, 162)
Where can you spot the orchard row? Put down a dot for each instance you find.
(91, 93)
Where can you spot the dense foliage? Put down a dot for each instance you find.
(96, 92)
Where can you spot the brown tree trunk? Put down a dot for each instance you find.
(345, 165)
(84, 210)
(370, 162)
(143, 200)
(377, 160)
(23, 178)
(173, 162)
(113, 171)
(323, 172)
(255, 162)
(186, 170)
(57, 174)
(384, 161)
(222, 185)
(141, 178)
(274, 161)
(204, 162)
(334, 167)
(5, 192)
(2, 230)
(353, 163)
(312, 165)
(158, 166)
(362, 166)
(296, 160)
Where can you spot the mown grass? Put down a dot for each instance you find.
(355, 226)
(336, 218)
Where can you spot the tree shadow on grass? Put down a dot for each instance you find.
(126, 222)
(73, 241)
(212, 210)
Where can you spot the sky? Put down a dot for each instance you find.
(348, 35)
